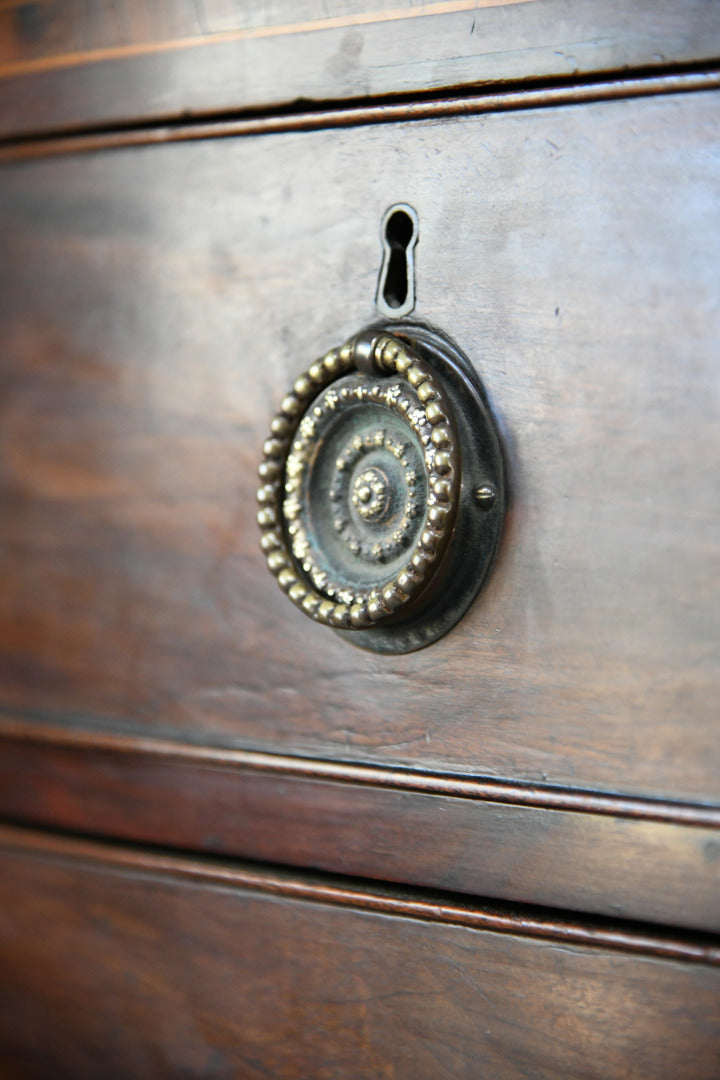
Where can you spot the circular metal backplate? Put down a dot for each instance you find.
(478, 522)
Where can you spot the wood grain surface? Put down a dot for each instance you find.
(174, 967)
(633, 863)
(65, 66)
(156, 302)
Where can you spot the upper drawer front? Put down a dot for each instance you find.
(157, 301)
(173, 59)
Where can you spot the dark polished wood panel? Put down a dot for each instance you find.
(114, 968)
(61, 68)
(646, 860)
(154, 312)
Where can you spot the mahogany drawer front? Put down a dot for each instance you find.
(157, 301)
(117, 964)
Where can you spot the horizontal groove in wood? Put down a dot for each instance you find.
(22, 148)
(485, 789)
(500, 919)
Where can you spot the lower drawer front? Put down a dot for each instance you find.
(118, 964)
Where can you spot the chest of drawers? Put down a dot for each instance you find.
(235, 844)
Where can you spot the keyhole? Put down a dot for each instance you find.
(396, 284)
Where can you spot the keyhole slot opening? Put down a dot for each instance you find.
(396, 284)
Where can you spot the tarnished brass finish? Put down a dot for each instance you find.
(361, 486)
(420, 528)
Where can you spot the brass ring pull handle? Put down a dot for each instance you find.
(294, 439)
(360, 491)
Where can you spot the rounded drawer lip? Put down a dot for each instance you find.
(589, 852)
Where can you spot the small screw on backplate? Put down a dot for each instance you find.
(485, 496)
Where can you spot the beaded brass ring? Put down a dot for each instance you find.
(419, 400)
